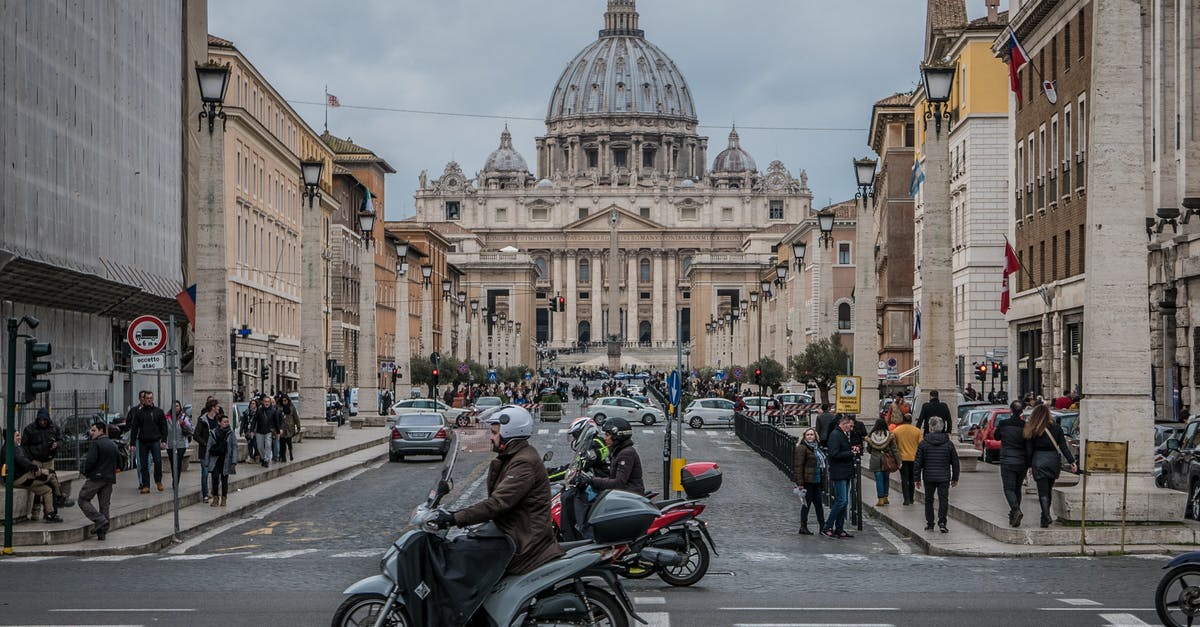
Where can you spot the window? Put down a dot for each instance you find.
(647, 156)
(687, 294)
(727, 214)
(1052, 164)
(585, 270)
(1054, 258)
(776, 210)
(1042, 261)
(843, 253)
(540, 262)
(1082, 248)
(583, 212)
(620, 157)
(1082, 26)
(909, 135)
(1020, 276)
(644, 295)
(501, 214)
(585, 295)
(1082, 136)
(687, 264)
(453, 210)
(644, 212)
(687, 213)
(844, 317)
(1053, 58)
(1067, 48)
(1066, 143)
(644, 271)
(540, 212)
(1067, 253)
(593, 157)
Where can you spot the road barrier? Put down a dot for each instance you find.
(776, 445)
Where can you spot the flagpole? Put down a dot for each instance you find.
(327, 108)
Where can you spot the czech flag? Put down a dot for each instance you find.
(187, 302)
(1011, 266)
(1016, 60)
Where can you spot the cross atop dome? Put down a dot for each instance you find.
(621, 19)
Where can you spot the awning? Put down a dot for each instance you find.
(909, 373)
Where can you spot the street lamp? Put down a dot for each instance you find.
(401, 257)
(474, 307)
(798, 250)
(426, 272)
(366, 222)
(938, 79)
(781, 271)
(754, 299)
(825, 222)
(864, 173)
(765, 288)
(447, 285)
(214, 80)
(310, 172)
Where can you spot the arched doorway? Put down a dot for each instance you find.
(644, 332)
(585, 333)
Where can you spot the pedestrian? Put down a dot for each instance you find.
(247, 430)
(898, 409)
(179, 435)
(266, 424)
(290, 427)
(148, 433)
(885, 458)
(908, 437)
(41, 439)
(1014, 461)
(825, 424)
(809, 472)
(1046, 447)
(222, 461)
(969, 394)
(209, 420)
(30, 476)
(934, 407)
(937, 465)
(841, 458)
(99, 470)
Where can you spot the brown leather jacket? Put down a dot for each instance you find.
(519, 503)
(805, 464)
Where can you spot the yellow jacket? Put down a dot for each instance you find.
(907, 438)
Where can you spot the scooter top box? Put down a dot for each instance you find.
(619, 516)
(700, 479)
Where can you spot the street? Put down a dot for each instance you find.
(287, 564)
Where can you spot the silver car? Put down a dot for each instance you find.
(709, 411)
(627, 408)
(424, 433)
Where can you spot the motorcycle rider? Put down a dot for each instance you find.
(592, 455)
(518, 493)
(625, 467)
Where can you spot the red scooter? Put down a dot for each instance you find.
(678, 528)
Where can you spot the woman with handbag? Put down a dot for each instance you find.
(179, 435)
(809, 465)
(1046, 447)
(885, 458)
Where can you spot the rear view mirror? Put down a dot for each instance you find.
(444, 487)
(548, 456)
(1173, 444)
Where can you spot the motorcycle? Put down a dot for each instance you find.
(430, 579)
(1176, 599)
(677, 528)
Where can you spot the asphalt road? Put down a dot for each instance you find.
(287, 565)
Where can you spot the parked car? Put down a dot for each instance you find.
(969, 421)
(794, 398)
(419, 433)
(709, 411)
(985, 436)
(627, 408)
(485, 405)
(757, 405)
(1181, 466)
(626, 376)
(410, 405)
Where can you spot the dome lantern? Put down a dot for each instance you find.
(621, 19)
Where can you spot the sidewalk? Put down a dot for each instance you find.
(142, 523)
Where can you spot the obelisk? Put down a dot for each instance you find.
(614, 294)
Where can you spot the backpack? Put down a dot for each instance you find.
(122, 456)
(218, 445)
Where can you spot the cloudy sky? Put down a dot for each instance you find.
(816, 65)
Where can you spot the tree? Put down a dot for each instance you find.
(821, 363)
(773, 372)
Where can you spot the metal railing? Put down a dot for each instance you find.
(73, 412)
(776, 445)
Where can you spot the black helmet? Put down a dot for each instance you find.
(618, 428)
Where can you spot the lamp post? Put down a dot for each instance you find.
(825, 221)
(403, 356)
(935, 354)
(368, 362)
(314, 375)
(426, 343)
(866, 338)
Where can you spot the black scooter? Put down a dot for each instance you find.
(1178, 596)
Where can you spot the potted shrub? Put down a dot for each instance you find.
(552, 408)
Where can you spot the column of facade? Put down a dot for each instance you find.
(657, 326)
(937, 357)
(866, 341)
(401, 342)
(631, 311)
(426, 345)
(668, 164)
(635, 164)
(212, 367)
(570, 317)
(446, 346)
(368, 363)
(672, 314)
(604, 156)
(312, 371)
(596, 267)
(556, 286)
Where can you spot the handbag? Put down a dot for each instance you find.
(1056, 448)
(889, 463)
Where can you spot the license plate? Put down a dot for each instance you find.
(419, 435)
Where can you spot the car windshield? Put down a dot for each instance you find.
(419, 420)
(487, 401)
(1069, 423)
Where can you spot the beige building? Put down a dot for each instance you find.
(692, 237)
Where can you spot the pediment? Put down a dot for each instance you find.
(599, 221)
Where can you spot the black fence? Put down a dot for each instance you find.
(73, 412)
(771, 442)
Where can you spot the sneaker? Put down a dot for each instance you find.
(143, 490)
(157, 484)
(828, 533)
(942, 528)
(805, 531)
(53, 517)
(204, 500)
(844, 534)
(928, 526)
(102, 534)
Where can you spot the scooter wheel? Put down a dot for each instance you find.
(1176, 599)
(691, 571)
(363, 609)
(606, 611)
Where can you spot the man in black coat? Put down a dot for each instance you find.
(1014, 460)
(268, 421)
(40, 439)
(30, 476)
(99, 469)
(937, 466)
(841, 458)
(148, 432)
(935, 407)
(825, 424)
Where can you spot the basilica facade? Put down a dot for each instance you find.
(623, 230)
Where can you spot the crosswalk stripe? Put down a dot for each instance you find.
(362, 553)
(108, 558)
(27, 559)
(648, 431)
(1079, 602)
(562, 431)
(649, 600)
(543, 431)
(279, 555)
(1125, 620)
(656, 619)
(188, 557)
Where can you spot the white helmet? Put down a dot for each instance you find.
(514, 421)
(581, 432)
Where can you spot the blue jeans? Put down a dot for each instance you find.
(881, 483)
(204, 476)
(147, 453)
(841, 500)
(274, 448)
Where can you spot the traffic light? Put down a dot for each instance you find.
(995, 369)
(758, 376)
(562, 304)
(553, 303)
(435, 376)
(981, 372)
(35, 368)
(265, 372)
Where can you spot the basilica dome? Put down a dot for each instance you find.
(621, 73)
(505, 158)
(733, 159)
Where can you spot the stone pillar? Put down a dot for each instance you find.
(212, 375)
(403, 346)
(556, 285)
(426, 345)
(368, 363)
(635, 159)
(545, 152)
(570, 317)
(824, 292)
(596, 267)
(866, 342)
(314, 379)
(672, 314)
(1116, 406)
(445, 346)
(631, 297)
(657, 326)
(936, 350)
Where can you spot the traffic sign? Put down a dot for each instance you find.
(146, 335)
(157, 361)
(719, 375)
(848, 397)
(387, 366)
(675, 388)
(738, 373)
(491, 376)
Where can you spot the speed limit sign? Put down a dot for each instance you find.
(147, 335)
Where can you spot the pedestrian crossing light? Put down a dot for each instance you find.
(981, 372)
(758, 376)
(35, 368)
(562, 303)
(995, 369)
(553, 304)
(435, 376)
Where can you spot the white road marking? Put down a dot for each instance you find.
(562, 431)
(1122, 619)
(901, 546)
(193, 557)
(813, 625)
(280, 555)
(656, 619)
(845, 557)
(648, 431)
(649, 600)
(466, 495)
(764, 556)
(1078, 602)
(109, 558)
(27, 559)
(809, 609)
(1092, 609)
(125, 610)
(26, 625)
(543, 431)
(362, 553)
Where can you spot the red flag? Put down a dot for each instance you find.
(332, 100)
(187, 302)
(1011, 265)
(1016, 60)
